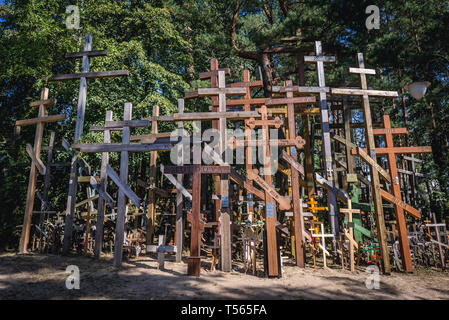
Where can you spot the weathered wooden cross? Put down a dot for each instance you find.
(161, 249)
(194, 261)
(82, 98)
(36, 165)
(365, 93)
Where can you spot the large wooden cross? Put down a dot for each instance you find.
(194, 261)
(365, 93)
(36, 163)
(82, 98)
(391, 151)
(270, 194)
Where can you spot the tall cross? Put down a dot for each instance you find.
(365, 94)
(270, 220)
(225, 221)
(82, 98)
(194, 261)
(323, 237)
(388, 132)
(36, 165)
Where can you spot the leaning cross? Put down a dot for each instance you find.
(34, 153)
(365, 94)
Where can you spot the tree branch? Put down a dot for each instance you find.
(243, 54)
(284, 8)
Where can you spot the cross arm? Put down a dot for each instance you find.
(361, 92)
(28, 122)
(47, 102)
(88, 75)
(97, 53)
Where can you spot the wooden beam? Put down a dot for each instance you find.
(118, 147)
(29, 122)
(96, 53)
(123, 187)
(36, 161)
(392, 199)
(88, 75)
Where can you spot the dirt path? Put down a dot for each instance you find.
(43, 277)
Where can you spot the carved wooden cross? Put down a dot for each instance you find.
(194, 261)
(365, 94)
(87, 218)
(82, 98)
(323, 237)
(36, 165)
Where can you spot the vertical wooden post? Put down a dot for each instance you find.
(121, 202)
(24, 238)
(225, 217)
(103, 185)
(71, 200)
(194, 261)
(151, 215)
(179, 197)
(296, 191)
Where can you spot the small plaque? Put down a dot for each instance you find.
(270, 210)
(351, 178)
(289, 214)
(251, 203)
(225, 202)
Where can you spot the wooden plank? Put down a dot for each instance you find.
(47, 102)
(153, 136)
(179, 195)
(294, 164)
(403, 150)
(323, 59)
(103, 194)
(129, 123)
(362, 92)
(392, 199)
(210, 74)
(119, 147)
(325, 184)
(88, 75)
(284, 203)
(206, 92)
(45, 119)
(284, 101)
(394, 131)
(373, 163)
(36, 161)
(94, 53)
(191, 169)
(360, 70)
(177, 184)
(123, 187)
(205, 116)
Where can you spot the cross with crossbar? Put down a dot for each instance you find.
(37, 164)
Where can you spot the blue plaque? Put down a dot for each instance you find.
(270, 210)
(225, 202)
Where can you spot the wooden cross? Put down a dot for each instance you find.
(312, 206)
(349, 211)
(270, 193)
(161, 249)
(122, 180)
(323, 236)
(194, 261)
(365, 94)
(391, 151)
(82, 98)
(437, 226)
(36, 165)
(87, 218)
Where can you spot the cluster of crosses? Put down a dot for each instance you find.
(232, 104)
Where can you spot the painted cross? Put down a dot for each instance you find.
(36, 165)
(322, 246)
(82, 98)
(352, 243)
(365, 93)
(312, 206)
(88, 217)
(194, 261)
(161, 249)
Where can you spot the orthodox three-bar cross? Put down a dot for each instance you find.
(82, 98)
(36, 165)
(194, 261)
(365, 94)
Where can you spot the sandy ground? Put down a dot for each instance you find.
(43, 277)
